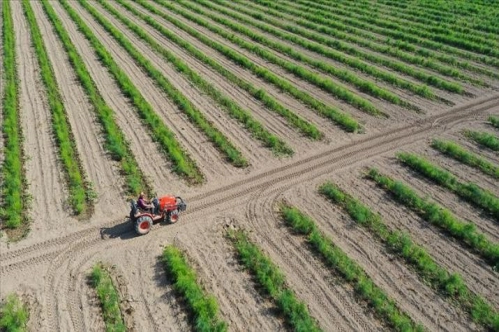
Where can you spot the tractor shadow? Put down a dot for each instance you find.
(124, 231)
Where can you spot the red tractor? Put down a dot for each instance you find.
(166, 208)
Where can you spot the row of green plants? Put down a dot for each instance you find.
(344, 120)
(114, 139)
(366, 290)
(302, 37)
(394, 48)
(321, 81)
(202, 307)
(458, 41)
(344, 75)
(468, 191)
(272, 282)
(268, 101)
(13, 188)
(14, 313)
(109, 299)
(422, 16)
(450, 285)
(484, 139)
(440, 217)
(219, 140)
(182, 164)
(463, 155)
(389, 33)
(256, 129)
(80, 193)
(494, 121)
(472, 42)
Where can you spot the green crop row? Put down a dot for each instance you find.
(390, 33)
(203, 307)
(468, 191)
(108, 297)
(230, 106)
(219, 140)
(115, 142)
(301, 37)
(459, 41)
(13, 313)
(320, 81)
(494, 120)
(80, 194)
(484, 139)
(461, 154)
(452, 37)
(350, 271)
(342, 119)
(273, 283)
(344, 75)
(440, 217)
(338, 30)
(182, 164)
(270, 103)
(451, 285)
(12, 172)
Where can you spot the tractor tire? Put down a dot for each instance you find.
(173, 216)
(143, 225)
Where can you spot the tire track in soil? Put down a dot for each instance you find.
(232, 129)
(148, 154)
(291, 174)
(328, 301)
(447, 253)
(190, 138)
(395, 279)
(101, 171)
(269, 119)
(302, 170)
(43, 172)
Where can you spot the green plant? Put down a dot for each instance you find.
(13, 314)
(350, 271)
(108, 297)
(13, 179)
(79, 194)
(469, 191)
(342, 119)
(450, 285)
(229, 105)
(494, 121)
(318, 80)
(218, 139)
(204, 308)
(484, 139)
(273, 283)
(115, 142)
(270, 103)
(183, 165)
(461, 154)
(440, 217)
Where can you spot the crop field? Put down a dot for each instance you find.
(339, 161)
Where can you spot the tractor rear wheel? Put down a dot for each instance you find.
(143, 225)
(173, 216)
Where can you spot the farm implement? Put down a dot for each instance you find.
(166, 208)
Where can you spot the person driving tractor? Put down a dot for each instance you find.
(143, 203)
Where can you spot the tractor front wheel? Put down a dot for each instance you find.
(173, 216)
(143, 225)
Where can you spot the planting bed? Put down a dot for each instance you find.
(338, 159)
